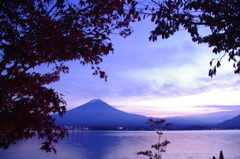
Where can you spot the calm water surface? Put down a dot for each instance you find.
(126, 144)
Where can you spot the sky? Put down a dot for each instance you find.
(159, 79)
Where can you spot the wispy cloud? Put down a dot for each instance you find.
(164, 78)
(223, 107)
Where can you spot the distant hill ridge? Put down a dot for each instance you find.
(231, 123)
(98, 113)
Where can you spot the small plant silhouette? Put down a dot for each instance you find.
(159, 146)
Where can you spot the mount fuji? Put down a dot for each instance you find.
(98, 113)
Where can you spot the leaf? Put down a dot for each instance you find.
(218, 64)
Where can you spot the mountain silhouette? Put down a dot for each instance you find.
(231, 123)
(98, 113)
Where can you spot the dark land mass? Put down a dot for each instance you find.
(98, 115)
(233, 123)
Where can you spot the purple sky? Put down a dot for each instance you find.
(163, 78)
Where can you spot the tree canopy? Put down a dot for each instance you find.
(50, 32)
(221, 17)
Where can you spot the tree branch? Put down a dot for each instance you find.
(7, 58)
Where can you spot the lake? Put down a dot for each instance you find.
(126, 144)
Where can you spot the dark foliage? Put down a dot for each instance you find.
(160, 146)
(49, 32)
(221, 17)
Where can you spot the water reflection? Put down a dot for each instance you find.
(125, 145)
(106, 144)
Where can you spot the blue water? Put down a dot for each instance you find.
(126, 144)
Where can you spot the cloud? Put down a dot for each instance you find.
(167, 77)
(222, 107)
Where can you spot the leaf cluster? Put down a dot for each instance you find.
(221, 17)
(48, 32)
